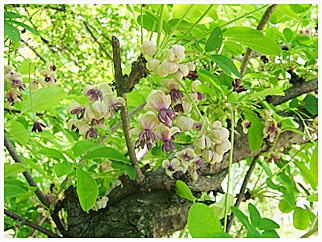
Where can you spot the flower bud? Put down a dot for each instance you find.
(207, 155)
(169, 66)
(89, 114)
(191, 66)
(100, 109)
(266, 113)
(161, 72)
(178, 51)
(223, 147)
(221, 134)
(34, 86)
(203, 142)
(184, 69)
(148, 48)
(216, 158)
(152, 64)
(184, 123)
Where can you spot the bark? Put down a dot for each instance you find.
(151, 209)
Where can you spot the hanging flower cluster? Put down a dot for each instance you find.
(213, 147)
(272, 128)
(102, 105)
(169, 64)
(14, 85)
(185, 161)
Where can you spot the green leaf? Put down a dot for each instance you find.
(311, 104)
(255, 132)
(270, 183)
(83, 146)
(131, 172)
(51, 152)
(13, 188)
(87, 190)
(11, 15)
(267, 224)
(314, 165)
(15, 168)
(307, 174)
(288, 34)
(226, 64)
(107, 152)
(219, 207)
(284, 206)
(62, 169)
(300, 8)
(313, 197)
(255, 217)
(202, 221)
(24, 67)
(12, 32)
(222, 235)
(265, 92)
(149, 20)
(301, 219)
(17, 130)
(35, 166)
(241, 216)
(196, 41)
(178, 10)
(183, 190)
(287, 195)
(254, 39)
(44, 99)
(25, 26)
(253, 233)
(270, 234)
(214, 41)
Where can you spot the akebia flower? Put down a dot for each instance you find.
(271, 129)
(184, 123)
(186, 155)
(246, 125)
(152, 64)
(100, 110)
(160, 102)
(170, 166)
(37, 127)
(148, 48)
(237, 87)
(176, 53)
(77, 109)
(92, 93)
(148, 122)
(171, 86)
(114, 104)
(200, 96)
(267, 113)
(165, 134)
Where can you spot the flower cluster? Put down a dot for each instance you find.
(102, 105)
(185, 161)
(170, 65)
(100, 203)
(213, 147)
(14, 85)
(272, 128)
(49, 77)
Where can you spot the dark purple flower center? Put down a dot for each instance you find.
(37, 127)
(165, 114)
(192, 75)
(248, 125)
(94, 94)
(170, 167)
(115, 107)
(187, 157)
(167, 146)
(97, 121)
(79, 112)
(199, 163)
(92, 133)
(178, 108)
(237, 87)
(145, 138)
(176, 94)
(197, 126)
(200, 96)
(47, 79)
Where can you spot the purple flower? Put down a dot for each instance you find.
(77, 109)
(37, 127)
(237, 87)
(165, 134)
(113, 103)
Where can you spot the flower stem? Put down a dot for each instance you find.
(229, 167)
(160, 26)
(141, 24)
(31, 104)
(193, 103)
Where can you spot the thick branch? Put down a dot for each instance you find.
(32, 183)
(269, 11)
(31, 224)
(296, 91)
(242, 192)
(119, 83)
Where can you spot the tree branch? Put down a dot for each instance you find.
(311, 232)
(295, 91)
(32, 48)
(119, 83)
(91, 33)
(242, 192)
(31, 224)
(32, 183)
(269, 11)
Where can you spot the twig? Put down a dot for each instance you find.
(91, 33)
(32, 183)
(32, 48)
(311, 232)
(296, 91)
(269, 11)
(119, 83)
(31, 224)
(241, 192)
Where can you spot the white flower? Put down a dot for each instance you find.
(148, 48)
(152, 64)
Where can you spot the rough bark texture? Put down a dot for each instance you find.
(152, 208)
